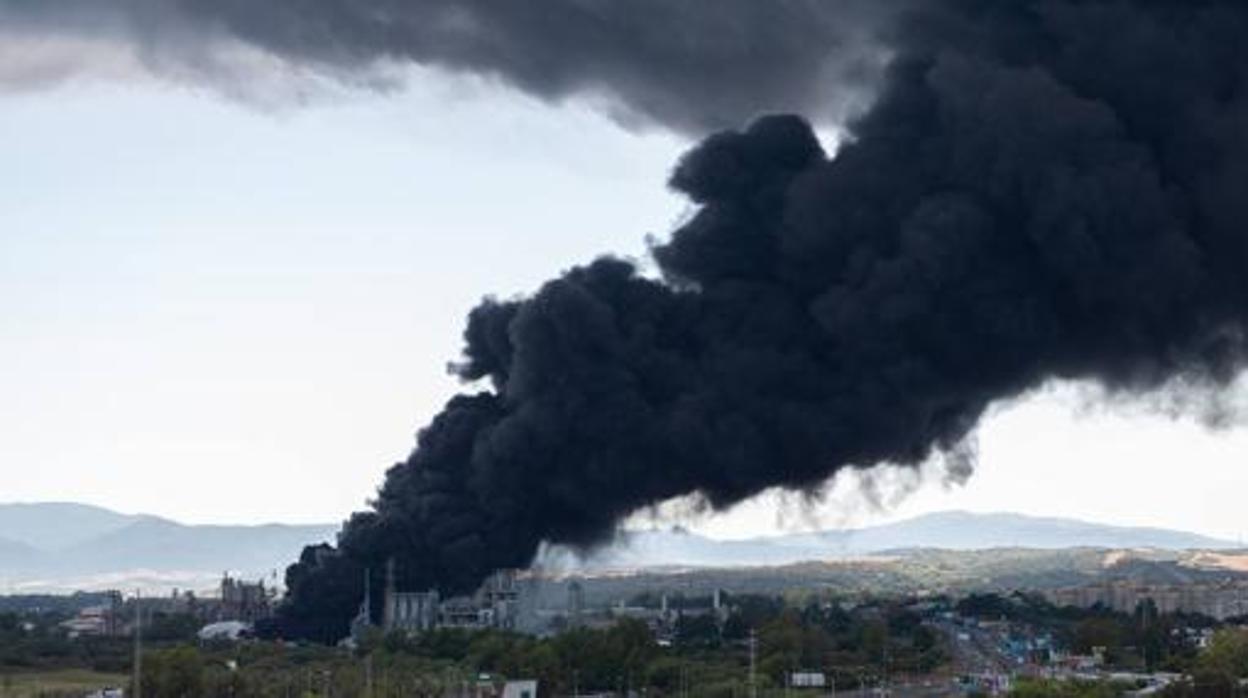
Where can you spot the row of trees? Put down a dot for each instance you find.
(705, 659)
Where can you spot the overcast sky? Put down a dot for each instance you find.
(220, 313)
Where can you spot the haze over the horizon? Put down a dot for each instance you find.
(206, 303)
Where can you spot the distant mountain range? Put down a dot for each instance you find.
(954, 530)
(65, 546)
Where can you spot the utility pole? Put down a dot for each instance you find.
(887, 669)
(753, 662)
(138, 643)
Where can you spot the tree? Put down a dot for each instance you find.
(1097, 631)
(175, 627)
(1227, 653)
(700, 630)
(173, 673)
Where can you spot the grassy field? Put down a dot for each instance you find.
(71, 682)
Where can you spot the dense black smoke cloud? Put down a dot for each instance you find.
(682, 64)
(1043, 190)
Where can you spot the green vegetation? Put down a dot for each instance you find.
(700, 656)
(53, 684)
(1220, 669)
(1145, 640)
(1070, 689)
(862, 644)
(31, 644)
(701, 662)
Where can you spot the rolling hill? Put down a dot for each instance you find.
(63, 546)
(57, 525)
(960, 530)
(954, 531)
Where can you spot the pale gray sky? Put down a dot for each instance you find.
(218, 313)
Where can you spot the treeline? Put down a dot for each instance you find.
(33, 642)
(704, 657)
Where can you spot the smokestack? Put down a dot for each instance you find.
(576, 603)
(1041, 191)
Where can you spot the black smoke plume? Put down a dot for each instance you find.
(1042, 190)
(682, 64)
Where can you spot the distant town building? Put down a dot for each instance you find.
(237, 601)
(92, 621)
(808, 679)
(520, 689)
(1218, 600)
(100, 620)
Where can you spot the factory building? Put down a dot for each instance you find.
(495, 605)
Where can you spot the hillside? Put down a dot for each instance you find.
(15, 556)
(58, 525)
(61, 546)
(941, 531)
(64, 546)
(919, 571)
(959, 530)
